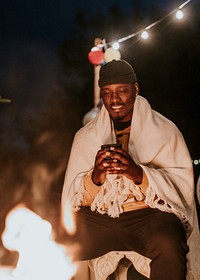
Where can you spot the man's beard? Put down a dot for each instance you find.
(118, 118)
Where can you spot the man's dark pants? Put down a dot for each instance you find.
(157, 235)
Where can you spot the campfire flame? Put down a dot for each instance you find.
(40, 257)
(68, 220)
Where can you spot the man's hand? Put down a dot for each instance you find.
(115, 161)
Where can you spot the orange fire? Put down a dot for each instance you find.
(40, 257)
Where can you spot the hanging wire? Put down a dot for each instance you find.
(148, 27)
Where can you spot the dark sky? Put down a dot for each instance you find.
(53, 21)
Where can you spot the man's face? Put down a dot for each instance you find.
(119, 100)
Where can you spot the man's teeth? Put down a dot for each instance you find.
(116, 107)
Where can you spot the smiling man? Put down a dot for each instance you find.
(138, 196)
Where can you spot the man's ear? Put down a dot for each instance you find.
(136, 88)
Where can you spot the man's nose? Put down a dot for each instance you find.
(115, 95)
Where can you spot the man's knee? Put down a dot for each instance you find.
(169, 235)
(169, 225)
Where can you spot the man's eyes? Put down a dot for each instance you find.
(121, 90)
(105, 92)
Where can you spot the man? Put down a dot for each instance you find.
(136, 197)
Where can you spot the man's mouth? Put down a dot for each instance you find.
(116, 107)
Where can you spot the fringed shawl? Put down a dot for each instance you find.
(157, 145)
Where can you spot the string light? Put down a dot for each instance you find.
(144, 32)
(97, 52)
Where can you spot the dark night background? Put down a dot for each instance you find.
(45, 72)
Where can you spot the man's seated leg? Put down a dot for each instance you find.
(167, 247)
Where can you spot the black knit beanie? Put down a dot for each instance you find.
(116, 72)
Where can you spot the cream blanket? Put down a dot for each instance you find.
(159, 147)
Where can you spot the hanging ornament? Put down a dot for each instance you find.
(96, 56)
(111, 54)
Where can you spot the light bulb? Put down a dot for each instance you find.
(115, 46)
(179, 14)
(196, 162)
(145, 35)
(94, 49)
